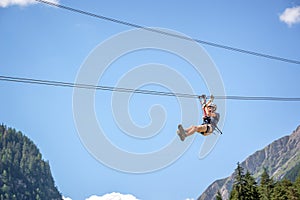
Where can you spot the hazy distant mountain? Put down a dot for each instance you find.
(23, 173)
(281, 158)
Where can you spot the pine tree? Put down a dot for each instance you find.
(284, 190)
(266, 186)
(251, 190)
(238, 191)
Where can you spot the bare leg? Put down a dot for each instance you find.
(191, 130)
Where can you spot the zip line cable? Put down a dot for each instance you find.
(95, 87)
(151, 92)
(171, 34)
(139, 91)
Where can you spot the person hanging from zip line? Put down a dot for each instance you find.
(210, 120)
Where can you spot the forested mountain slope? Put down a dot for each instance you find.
(280, 158)
(23, 173)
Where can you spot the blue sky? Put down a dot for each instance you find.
(43, 42)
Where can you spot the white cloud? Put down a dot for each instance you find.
(113, 196)
(5, 3)
(66, 198)
(290, 16)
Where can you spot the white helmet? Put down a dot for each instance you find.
(211, 104)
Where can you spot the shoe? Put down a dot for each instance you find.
(182, 136)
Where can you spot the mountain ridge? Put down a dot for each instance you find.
(279, 157)
(23, 173)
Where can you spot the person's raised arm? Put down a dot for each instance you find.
(202, 99)
(211, 99)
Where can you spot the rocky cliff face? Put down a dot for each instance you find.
(278, 158)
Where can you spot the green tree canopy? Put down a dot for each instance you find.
(24, 175)
(246, 188)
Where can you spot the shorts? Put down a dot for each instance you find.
(209, 129)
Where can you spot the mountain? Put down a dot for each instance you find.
(281, 158)
(23, 173)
